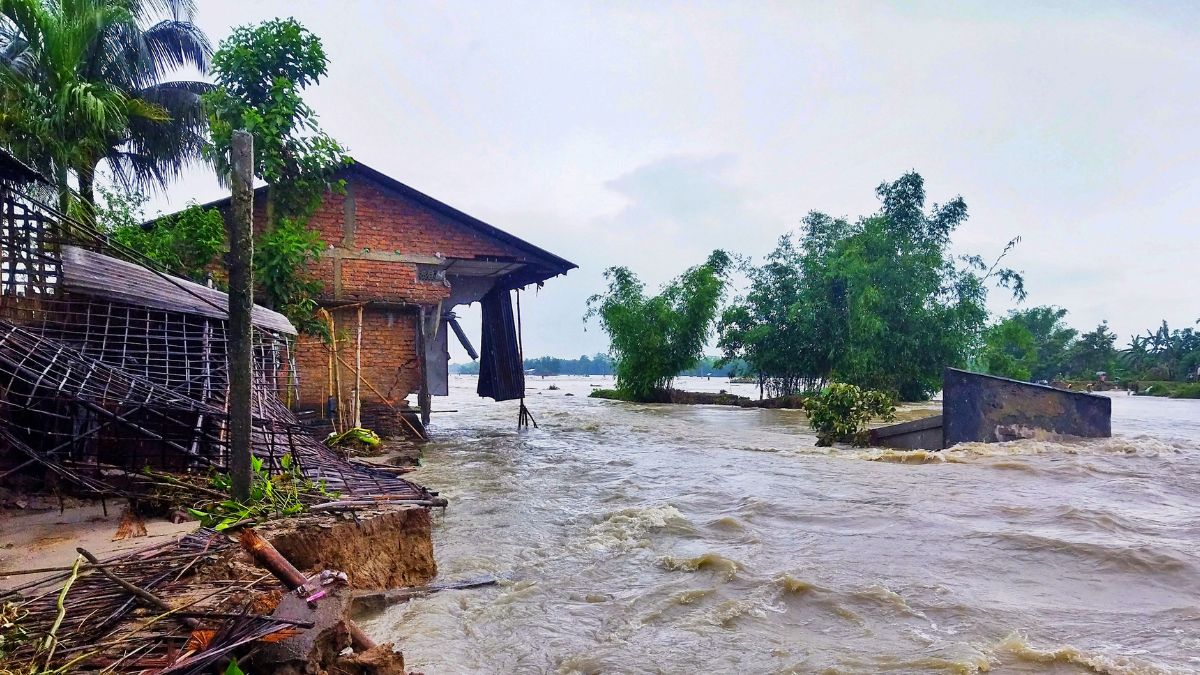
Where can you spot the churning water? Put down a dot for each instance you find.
(687, 539)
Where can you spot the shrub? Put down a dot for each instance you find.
(840, 413)
(1187, 391)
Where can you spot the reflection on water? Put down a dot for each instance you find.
(680, 539)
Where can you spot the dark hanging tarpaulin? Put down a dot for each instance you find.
(501, 372)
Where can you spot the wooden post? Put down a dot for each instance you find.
(423, 398)
(241, 300)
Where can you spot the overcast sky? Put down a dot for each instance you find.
(648, 133)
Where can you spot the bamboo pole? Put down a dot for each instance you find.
(385, 400)
(339, 423)
(358, 371)
(330, 398)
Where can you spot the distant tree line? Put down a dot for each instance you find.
(598, 364)
(601, 364)
(1035, 344)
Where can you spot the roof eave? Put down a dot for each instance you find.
(559, 265)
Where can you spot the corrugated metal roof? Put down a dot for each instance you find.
(96, 274)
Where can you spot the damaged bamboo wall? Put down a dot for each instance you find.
(89, 383)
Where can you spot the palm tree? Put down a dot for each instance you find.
(81, 82)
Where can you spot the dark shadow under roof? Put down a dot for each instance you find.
(15, 171)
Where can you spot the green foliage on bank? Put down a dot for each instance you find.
(840, 413)
(1166, 389)
(1190, 390)
(880, 302)
(260, 73)
(612, 395)
(279, 495)
(187, 244)
(653, 338)
(1162, 354)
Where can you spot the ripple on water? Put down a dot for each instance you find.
(1139, 446)
(905, 456)
(1016, 646)
(843, 555)
(728, 523)
(1141, 558)
(725, 567)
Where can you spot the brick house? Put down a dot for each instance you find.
(397, 262)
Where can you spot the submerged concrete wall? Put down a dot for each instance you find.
(989, 409)
(922, 434)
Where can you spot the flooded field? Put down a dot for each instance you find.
(687, 539)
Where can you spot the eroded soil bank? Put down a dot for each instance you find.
(387, 548)
(364, 550)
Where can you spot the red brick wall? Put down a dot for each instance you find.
(389, 358)
(390, 281)
(385, 222)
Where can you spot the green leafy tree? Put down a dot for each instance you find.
(1010, 350)
(82, 82)
(1094, 352)
(185, 244)
(1030, 344)
(782, 326)
(653, 338)
(1163, 354)
(880, 303)
(261, 72)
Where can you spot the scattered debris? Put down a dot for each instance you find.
(367, 602)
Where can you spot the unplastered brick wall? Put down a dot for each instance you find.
(388, 221)
(388, 357)
(389, 281)
(385, 222)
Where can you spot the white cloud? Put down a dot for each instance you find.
(647, 134)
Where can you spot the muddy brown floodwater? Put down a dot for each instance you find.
(689, 539)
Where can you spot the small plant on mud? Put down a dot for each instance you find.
(279, 495)
(841, 412)
(11, 632)
(355, 437)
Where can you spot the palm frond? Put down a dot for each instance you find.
(176, 44)
(81, 82)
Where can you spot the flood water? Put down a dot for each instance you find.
(688, 539)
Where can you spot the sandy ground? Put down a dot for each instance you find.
(33, 539)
